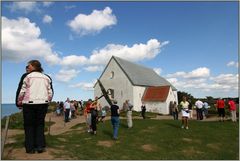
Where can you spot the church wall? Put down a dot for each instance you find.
(114, 78)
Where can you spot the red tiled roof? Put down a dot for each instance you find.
(156, 93)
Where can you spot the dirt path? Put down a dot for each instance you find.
(60, 126)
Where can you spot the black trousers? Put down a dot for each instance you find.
(221, 112)
(143, 113)
(94, 123)
(34, 122)
(199, 114)
(67, 115)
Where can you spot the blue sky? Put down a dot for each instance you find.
(194, 45)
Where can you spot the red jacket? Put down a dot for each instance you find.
(232, 105)
(220, 103)
(88, 107)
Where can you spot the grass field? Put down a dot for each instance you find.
(149, 140)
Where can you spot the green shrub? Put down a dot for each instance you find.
(15, 122)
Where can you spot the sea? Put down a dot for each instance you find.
(8, 109)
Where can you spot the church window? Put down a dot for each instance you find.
(112, 75)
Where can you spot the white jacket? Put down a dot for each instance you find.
(36, 88)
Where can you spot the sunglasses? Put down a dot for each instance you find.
(27, 67)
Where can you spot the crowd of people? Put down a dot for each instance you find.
(68, 108)
(202, 108)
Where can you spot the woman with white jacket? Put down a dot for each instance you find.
(33, 96)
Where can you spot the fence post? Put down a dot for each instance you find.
(49, 125)
(5, 134)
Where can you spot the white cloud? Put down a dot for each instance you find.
(73, 60)
(172, 80)
(206, 85)
(95, 22)
(177, 74)
(47, 4)
(24, 6)
(198, 73)
(21, 41)
(157, 70)
(47, 19)
(98, 58)
(94, 68)
(66, 75)
(232, 63)
(84, 85)
(226, 79)
(201, 72)
(135, 53)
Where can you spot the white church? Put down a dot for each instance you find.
(126, 80)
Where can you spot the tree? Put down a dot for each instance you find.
(181, 94)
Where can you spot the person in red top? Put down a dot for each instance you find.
(88, 113)
(220, 107)
(232, 108)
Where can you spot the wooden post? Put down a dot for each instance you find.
(49, 125)
(5, 134)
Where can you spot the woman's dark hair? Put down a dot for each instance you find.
(36, 64)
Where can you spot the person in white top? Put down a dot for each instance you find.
(33, 96)
(185, 112)
(67, 109)
(199, 105)
(205, 109)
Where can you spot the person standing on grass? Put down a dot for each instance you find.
(72, 109)
(199, 106)
(143, 108)
(185, 112)
(115, 119)
(128, 107)
(33, 96)
(205, 109)
(94, 115)
(81, 104)
(220, 104)
(232, 109)
(103, 113)
(174, 110)
(58, 112)
(88, 111)
(67, 107)
(85, 116)
(190, 109)
(61, 107)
